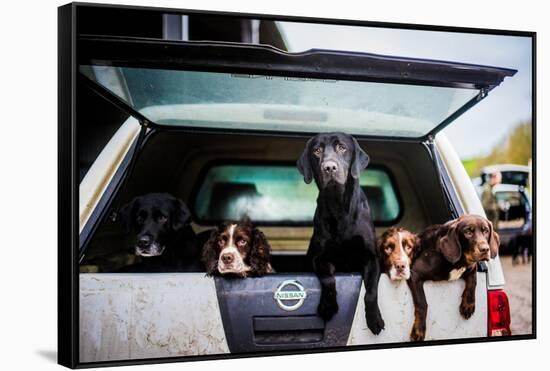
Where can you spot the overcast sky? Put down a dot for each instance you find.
(479, 129)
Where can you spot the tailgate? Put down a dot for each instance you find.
(166, 315)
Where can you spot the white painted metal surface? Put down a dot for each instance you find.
(132, 316)
(443, 322)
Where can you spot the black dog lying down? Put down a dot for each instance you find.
(165, 240)
(343, 232)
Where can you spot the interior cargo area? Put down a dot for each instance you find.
(211, 171)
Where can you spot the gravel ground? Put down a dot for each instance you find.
(518, 287)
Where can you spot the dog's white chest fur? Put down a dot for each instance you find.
(456, 273)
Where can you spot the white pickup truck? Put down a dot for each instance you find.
(220, 126)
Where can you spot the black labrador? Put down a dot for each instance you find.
(165, 240)
(343, 232)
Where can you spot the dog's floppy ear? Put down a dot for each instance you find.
(449, 244)
(304, 163)
(494, 240)
(380, 242)
(125, 216)
(360, 160)
(412, 240)
(210, 253)
(260, 254)
(416, 251)
(181, 215)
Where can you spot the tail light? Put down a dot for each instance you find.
(499, 313)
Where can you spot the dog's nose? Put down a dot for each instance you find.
(330, 166)
(484, 249)
(144, 241)
(400, 265)
(227, 258)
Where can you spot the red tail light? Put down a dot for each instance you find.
(499, 313)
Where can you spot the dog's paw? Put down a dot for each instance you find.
(375, 322)
(467, 309)
(327, 309)
(418, 334)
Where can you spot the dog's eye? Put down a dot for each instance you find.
(139, 220)
(485, 230)
(317, 151)
(241, 243)
(388, 249)
(341, 148)
(221, 242)
(162, 219)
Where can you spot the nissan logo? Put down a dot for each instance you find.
(290, 295)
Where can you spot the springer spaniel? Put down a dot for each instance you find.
(238, 249)
(397, 247)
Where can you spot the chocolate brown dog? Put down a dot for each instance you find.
(448, 252)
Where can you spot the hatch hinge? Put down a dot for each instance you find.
(116, 101)
(483, 93)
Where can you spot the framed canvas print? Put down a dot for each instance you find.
(240, 184)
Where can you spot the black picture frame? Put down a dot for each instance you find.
(68, 202)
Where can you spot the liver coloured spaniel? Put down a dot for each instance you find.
(448, 252)
(238, 249)
(397, 247)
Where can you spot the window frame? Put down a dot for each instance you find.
(280, 163)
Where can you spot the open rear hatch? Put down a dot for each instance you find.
(253, 89)
(206, 85)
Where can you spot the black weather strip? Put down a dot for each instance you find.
(437, 165)
(107, 198)
(128, 109)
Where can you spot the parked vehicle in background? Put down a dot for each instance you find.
(513, 198)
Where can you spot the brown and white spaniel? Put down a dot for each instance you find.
(397, 246)
(238, 249)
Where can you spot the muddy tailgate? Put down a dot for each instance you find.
(165, 315)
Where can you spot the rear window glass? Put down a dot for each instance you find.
(278, 195)
(278, 103)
